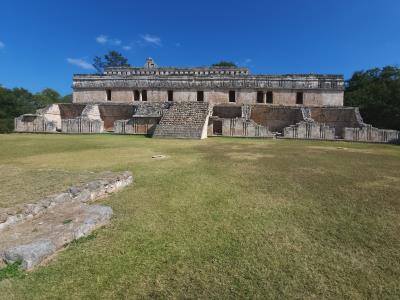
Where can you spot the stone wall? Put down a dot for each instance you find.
(216, 84)
(112, 112)
(227, 111)
(34, 123)
(136, 125)
(82, 125)
(337, 117)
(275, 118)
(309, 130)
(241, 127)
(71, 111)
(89, 95)
(84, 82)
(368, 133)
(191, 120)
(213, 96)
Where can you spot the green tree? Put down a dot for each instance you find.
(224, 63)
(377, 93)
(67, 98)
(14, 102)
(111, 59)
(18, 101)
(46, 97)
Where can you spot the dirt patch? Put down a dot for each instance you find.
(342, 149)
(248, 155)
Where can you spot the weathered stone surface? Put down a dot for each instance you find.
(184, 120)
(39, 230)
(309, 130)
(97, 215)
(368, 133)
(30, 254)
(110, 183)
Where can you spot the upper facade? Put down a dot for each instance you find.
(216, 85)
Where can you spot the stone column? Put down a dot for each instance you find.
(140, 95)
(264, 97)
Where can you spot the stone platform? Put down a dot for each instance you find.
(197, 120)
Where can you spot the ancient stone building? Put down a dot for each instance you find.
(214, 85)
(204, 101)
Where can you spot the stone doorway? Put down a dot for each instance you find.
(217, 127)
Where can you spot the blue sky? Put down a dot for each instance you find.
(42, 43)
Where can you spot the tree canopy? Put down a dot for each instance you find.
(18, 101)
(377, 93)
(224, 63)
(111, 59)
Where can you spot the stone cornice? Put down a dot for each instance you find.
(304, 82)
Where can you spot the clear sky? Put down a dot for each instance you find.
(42, 43)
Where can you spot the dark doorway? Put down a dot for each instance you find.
(200, 96)
(299, 97)
(108, 92)
(217, 127)
(144, 95)
(170, 96)
(232, 96)
(136, 95)
(260, 97)
(270, 97)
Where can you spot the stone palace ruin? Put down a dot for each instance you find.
(206, 101)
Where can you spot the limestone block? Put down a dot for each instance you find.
(34, 123)
(30, 254)
(368, 133)
(82, 125)
(309, 130)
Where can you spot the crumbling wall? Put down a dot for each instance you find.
(337, 117)
(275, 119)
(82, 125)
(136, 125)
(71, 111)
(34, 123)
(112, 112)
(227, 111)
(88, 122)
(51, 113)
(368, 133)
(309, 130)
(243, 127)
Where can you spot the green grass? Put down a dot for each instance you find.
(11, 271)
(219, 218)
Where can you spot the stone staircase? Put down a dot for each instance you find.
(184, 120)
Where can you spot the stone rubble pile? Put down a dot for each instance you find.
(32, 232)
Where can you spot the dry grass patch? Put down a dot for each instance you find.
(221, 218)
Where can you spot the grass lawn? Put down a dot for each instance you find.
(219, 218)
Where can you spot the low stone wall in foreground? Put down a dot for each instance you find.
(30, 233)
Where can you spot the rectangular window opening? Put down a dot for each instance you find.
(232, 96)
(144, 95)
(200, 96)
(260, 97)
(170, 96)
(299, 97)
(136, 95)
(108, 92)
(270, 97)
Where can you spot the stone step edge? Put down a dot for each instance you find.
(91, 191)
